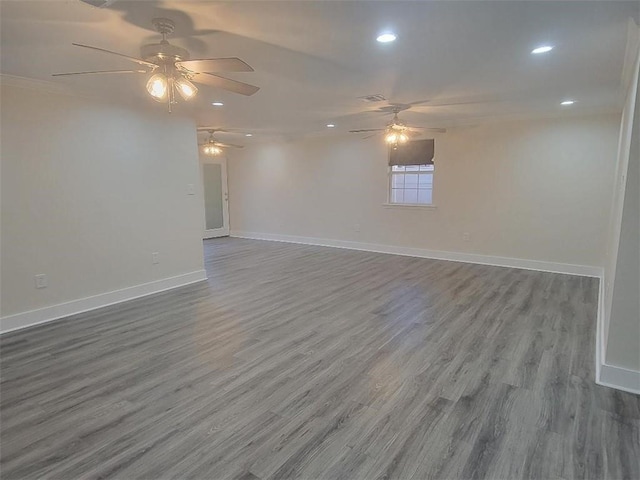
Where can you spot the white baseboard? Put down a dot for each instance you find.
(619, 378)
(54, 312)
(611, 375)
(582, 270)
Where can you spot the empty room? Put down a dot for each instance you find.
(319, 239)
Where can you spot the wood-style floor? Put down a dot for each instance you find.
(308, 362)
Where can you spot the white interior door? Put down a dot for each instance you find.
(216, 197)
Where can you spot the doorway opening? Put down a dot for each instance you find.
(216, 197)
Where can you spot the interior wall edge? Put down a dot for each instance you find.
(630, 82)
(609, 375)
(31, 318)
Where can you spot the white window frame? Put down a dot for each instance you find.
(390, 174)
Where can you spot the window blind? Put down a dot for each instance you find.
(417, 152)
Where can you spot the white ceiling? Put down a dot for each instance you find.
(312, 59)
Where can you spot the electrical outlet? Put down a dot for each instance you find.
(41, 281)
(356, 227)
(156, 257)
(466, 236)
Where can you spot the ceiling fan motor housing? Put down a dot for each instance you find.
(164, 53)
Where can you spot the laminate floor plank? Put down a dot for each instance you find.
(296, 361)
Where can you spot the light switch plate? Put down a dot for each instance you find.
(41, 280)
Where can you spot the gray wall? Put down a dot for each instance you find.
(90, 190)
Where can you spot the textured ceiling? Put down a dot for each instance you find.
(313, 59)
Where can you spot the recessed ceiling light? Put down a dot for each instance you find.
(330, 125)
(567, 102)
(542, 49)
(217, 104)
(249, 135)
(386, 37)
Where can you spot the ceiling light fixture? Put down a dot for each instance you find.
(157, 86)
(212, 146)
(217, 104)
(171, 71)
(395, 136)
(163, 86)
(249, 135)
(212, 150)
(542, 49)
(330, 125)
(396, 132)
(567, 102)
(186, 89)
(386, 37)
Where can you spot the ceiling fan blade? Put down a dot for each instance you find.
(431, 129)
(418, 102)
(232, 64)
(372, 135)
(225, 83)
(99, 3)
(394, 108)
(367, 130)
(461, 102)
(228, 145)
(133, 59)
(98, 72)
(207, 129)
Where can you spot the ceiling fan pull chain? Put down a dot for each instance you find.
(171, 93)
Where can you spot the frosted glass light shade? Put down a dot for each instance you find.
(212, 150)
(158, 87)
(395, 137)
(186, 89)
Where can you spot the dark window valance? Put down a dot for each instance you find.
(417, 152)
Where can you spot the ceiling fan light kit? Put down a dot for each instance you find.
(211, 150)
(157, 86)
(162, 88)
(186, 89)
(213, 147)
(394, 137)
(396, 132)
(172, 70)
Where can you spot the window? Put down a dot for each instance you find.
(411, 173)
(411, 184)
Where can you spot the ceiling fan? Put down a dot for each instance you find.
(213, 147)
(171, 69)
(397, 131)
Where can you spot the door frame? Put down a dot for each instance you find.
(224, 230)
